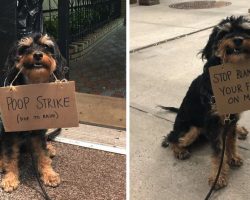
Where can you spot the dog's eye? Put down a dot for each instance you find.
(22, 49)
(48, 48)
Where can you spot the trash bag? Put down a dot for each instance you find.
(29, 17)
(7, 29)
(17, 18)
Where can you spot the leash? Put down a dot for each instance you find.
(53, 134)
(50, 137)
(35, 168)
(227, 123)
(34, 165)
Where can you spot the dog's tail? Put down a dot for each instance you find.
(170, 109)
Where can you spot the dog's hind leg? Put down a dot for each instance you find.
(189, 137)
(179, 147)
(180, 152)
(48, 175)
(10, 166)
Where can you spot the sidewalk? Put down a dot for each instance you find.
(85, 174)
(151, 24)
(168, 70)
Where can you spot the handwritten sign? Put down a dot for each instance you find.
(231, 87)
(38, 106)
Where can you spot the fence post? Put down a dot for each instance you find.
(63, 29)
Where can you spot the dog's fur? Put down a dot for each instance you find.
(229, 42)
(39, 57)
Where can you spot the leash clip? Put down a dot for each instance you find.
(227, 119)
(212, 100)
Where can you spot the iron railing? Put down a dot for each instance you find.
(85, 16)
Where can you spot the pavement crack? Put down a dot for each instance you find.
(241, 147)
(165, 24)
(150, 113)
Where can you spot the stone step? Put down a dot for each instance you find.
(78, 48)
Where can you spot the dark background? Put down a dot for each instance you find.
(7, 28)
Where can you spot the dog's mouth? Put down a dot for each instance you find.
(36, 65)
(236, 51)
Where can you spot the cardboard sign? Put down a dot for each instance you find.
(231, 87)
(38, 106)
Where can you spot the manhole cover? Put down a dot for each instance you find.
(200, 4)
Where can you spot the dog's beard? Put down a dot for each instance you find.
(37, 72)
(230, 53)
(40, 75)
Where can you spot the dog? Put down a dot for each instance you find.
(32, 59)
(229, 42)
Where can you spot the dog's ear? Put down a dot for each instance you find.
(10, 70)
(61, 68)
(12, 57)
(208, 51)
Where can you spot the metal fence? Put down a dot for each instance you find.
(85, 16)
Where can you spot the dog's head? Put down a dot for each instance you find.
(37, 56)
(229, 41)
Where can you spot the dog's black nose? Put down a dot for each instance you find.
(38, 55)
(238, 41)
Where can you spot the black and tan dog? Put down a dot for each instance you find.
(38, 57)
(229, 42)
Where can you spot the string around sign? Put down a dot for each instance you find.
(12, 87)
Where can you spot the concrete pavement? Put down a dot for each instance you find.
(151, 24)
(162, 75)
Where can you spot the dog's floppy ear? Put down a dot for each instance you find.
(11, 58)
(61, 64)
(10, 70)
(208, 50)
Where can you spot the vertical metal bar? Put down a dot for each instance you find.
(50, 12)
(63, 29)
(81, 19)
(78, 19)
(88, 15)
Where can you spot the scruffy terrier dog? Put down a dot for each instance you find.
(229, 42)
(37, 56)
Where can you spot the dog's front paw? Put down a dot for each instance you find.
(242, 132)
(10, 182)
(236, 161)
(51, 179)
(222, 182)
